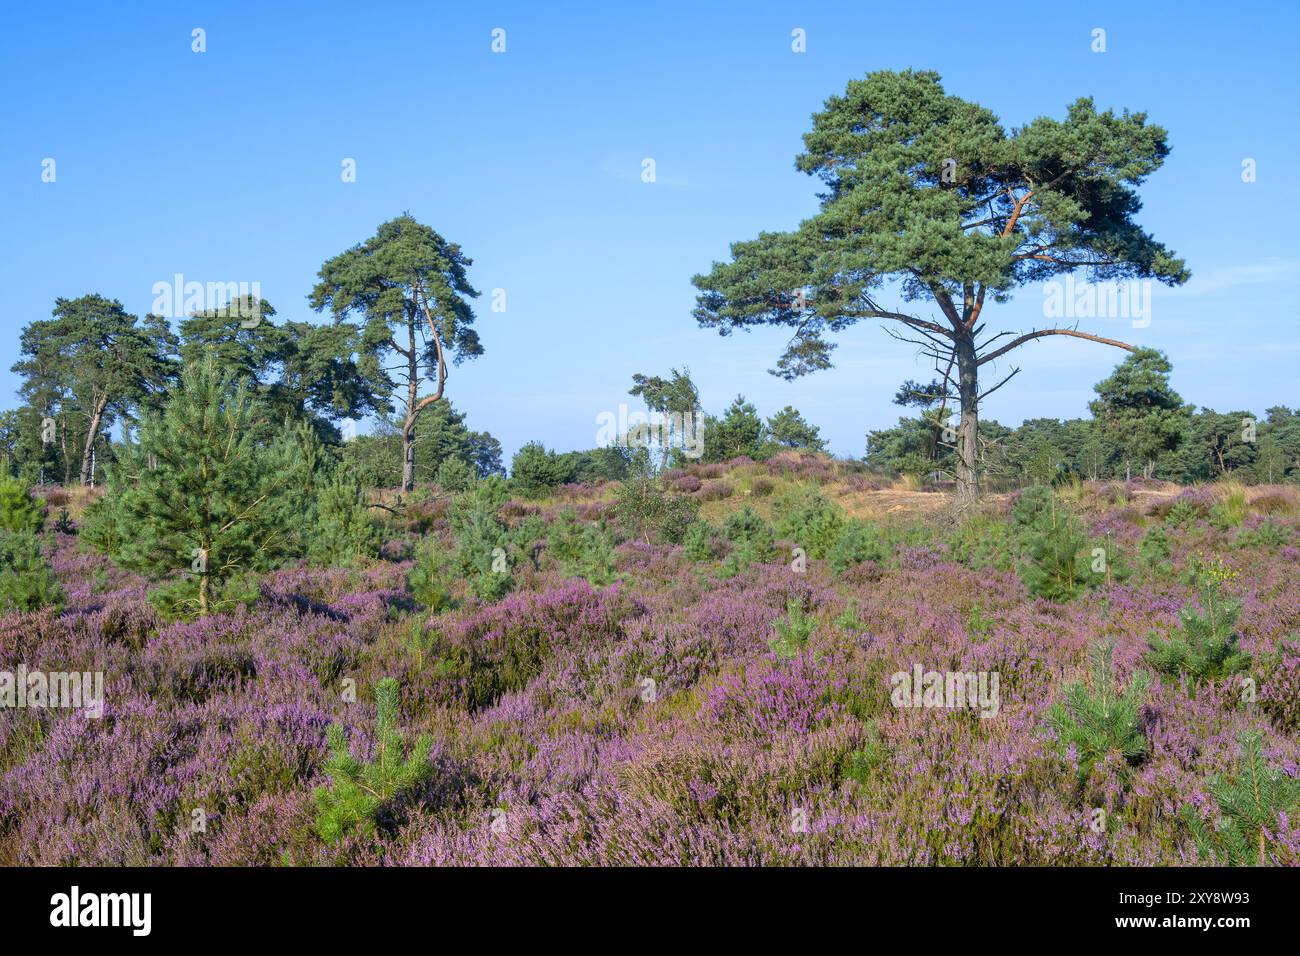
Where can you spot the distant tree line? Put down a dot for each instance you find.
(92, 367)
(1140, 428)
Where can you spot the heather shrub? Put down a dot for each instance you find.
(1090, 723)
(857, 542)
(1279, 696)
(19, 512)
(761, 487)
(684, 483)
(359, 789)
(805, 516)
(26, 581)
(1251, 802)
(504, 646)
(1204, 646)
(716, 491)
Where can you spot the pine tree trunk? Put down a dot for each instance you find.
(91, 434)
(412, 390)
(203, 595)
(408, 454)
(967, 430)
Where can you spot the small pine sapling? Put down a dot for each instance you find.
(1250, 803)
(1204, 647)
(1051, 540)
(1096, 722)
(359, 789)
(26, 581)
(792, 632)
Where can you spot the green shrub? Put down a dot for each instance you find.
(700, 543)
(861, 765)
(1268, 535)
(358, 790)
(583, 550)
(19, 512)
(793, 632)
(857, 542)
(1155, 550)
(982, 542)
(1099, 721)
(805, 516)
(535, 471)
(1051, 541)
(427, 579)
(848, 618)
(1249, 803)
(176, 599)
(648, 509)
(455, 475)
(344, 533)
(1204, 647)
(751, 540)
(481, 556)
(1106, 562)
(1232, 508)
(26, 581)
(1182, 514)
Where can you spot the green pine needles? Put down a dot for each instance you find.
(792, 632)
(1051, 541)
(344, 534)
(1101, 720)
(1249, 802)
(1204, 647)
(26, 581)
(359, 790)
(19, 512)
(583, 550)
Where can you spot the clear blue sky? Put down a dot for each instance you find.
(225, 166)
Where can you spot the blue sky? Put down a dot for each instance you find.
(225, 166)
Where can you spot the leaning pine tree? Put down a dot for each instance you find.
(410, 285)
(929, 191)
(199, 499)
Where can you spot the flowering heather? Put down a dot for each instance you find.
(648, 722)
